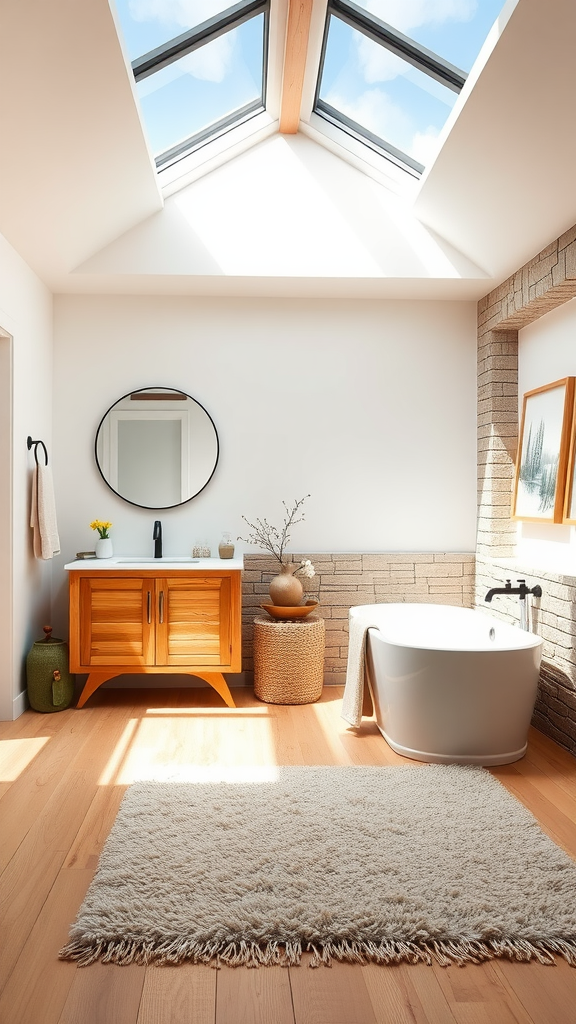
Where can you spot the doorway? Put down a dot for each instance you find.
(7, 661)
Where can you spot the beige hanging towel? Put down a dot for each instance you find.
(43, 514)
(357, 700)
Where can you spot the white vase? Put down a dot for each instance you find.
(104, 548)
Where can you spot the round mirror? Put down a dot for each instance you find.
(156, 447)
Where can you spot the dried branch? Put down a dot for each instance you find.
(272, 539)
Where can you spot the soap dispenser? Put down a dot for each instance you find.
(226, 547)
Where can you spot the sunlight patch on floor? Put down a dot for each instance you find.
(203, 773)
(332, 726)
(209, 712)
(16, 755)
(183, 746)
(110, 774)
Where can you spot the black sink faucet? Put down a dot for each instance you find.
(157, 538)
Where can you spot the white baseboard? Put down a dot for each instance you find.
(19, 705)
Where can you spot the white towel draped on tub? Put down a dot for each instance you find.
(357, 699)
(43, 514)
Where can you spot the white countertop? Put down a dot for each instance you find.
(166, 564)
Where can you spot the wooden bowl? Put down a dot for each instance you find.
(299, 611)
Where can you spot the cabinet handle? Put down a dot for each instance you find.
(161, 607)
(149, 606)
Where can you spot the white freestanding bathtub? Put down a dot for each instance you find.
(451, 684)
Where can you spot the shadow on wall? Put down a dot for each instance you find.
(555, 710)
(497, 440)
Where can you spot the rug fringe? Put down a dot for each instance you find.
(288, 954)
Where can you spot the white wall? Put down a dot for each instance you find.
(547, 352)
(368, 406)
(25, 316)
(285, 218)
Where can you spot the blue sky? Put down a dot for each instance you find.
(202, 87)
(387, 95)
(378, 90)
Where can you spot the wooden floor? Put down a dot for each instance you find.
(61, 781)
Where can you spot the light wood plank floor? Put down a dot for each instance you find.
(61, 781)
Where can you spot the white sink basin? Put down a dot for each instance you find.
(144, 560)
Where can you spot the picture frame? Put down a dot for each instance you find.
(543, 451)
(570, 490)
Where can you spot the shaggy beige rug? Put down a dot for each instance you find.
(353, 863)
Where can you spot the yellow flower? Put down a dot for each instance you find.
(101, 526)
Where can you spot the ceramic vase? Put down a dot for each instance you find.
(104, 548)
(50, 685)
(286, 590)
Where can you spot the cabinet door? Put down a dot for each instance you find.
(116, 621)
(194, 621)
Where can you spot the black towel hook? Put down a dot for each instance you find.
(30, 442)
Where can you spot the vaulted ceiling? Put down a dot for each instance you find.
(279, 212)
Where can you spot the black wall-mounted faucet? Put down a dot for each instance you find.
(522, 590)
(157, 538)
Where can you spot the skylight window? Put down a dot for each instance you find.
(391, 70)
(454, 28)
(200, 68)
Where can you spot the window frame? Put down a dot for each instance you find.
(193, 39)
(404, 47)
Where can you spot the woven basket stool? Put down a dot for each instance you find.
(288, 660)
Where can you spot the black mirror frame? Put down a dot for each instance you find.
(157, 508)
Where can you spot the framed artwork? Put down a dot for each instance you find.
(543, 448)
(570, 495)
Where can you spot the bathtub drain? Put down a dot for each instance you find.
(492, 633)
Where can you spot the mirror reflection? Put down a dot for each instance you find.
(156, 447)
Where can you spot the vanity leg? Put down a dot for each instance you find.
(217, 681)
(95, 679)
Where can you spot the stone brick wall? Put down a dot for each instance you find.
(345, 580)
(541, 285)
(553, 617)
(497, 440)
(544, 283)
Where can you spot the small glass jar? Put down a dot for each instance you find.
(205, 549)
(197, 551)
(226, 547)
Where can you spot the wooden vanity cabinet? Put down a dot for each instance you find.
(125, 621)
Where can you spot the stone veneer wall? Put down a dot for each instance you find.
(541, 285)
(345, 580)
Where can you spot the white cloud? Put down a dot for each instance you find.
(185, 13)
(374, 110)
(424, 146)
(376, 62)
(211, 62)
(406, 15)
